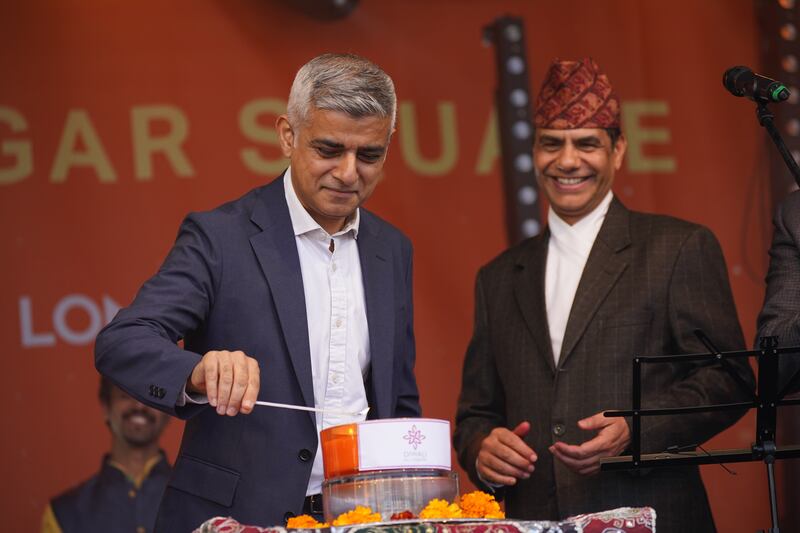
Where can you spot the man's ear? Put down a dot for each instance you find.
(285, 135)
(619, 151)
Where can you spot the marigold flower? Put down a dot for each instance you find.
(437, 508)
(479, 504)
(304, 521)
(499, 515)
(359, 515)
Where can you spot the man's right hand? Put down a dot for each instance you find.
(504, 457)
(230, 380)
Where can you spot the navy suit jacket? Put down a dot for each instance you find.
(232, 281)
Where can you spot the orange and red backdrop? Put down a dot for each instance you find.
(117, 118)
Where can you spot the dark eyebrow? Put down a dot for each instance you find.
(372, 150)
(589, 139)
(550, 139)
(325, 143)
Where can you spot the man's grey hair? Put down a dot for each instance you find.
(341, 82)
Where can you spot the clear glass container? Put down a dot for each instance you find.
(388, 492)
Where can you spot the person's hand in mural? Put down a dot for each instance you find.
(230, 380)
(504, 457)
(613, 436)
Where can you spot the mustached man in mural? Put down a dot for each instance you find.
(559, 317)
(124, 495)
(292, 294)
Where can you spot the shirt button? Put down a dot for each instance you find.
(304, 455)
(141, 529)
(337, 378)
(131, 494)
(333, 267)
(338, 322)
(559, 430)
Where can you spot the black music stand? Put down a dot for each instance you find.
(765, 401)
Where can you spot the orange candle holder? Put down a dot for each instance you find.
(340, 450)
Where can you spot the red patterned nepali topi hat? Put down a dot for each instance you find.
(576, 94)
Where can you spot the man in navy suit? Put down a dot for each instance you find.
(292, 293)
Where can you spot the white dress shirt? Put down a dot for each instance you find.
(337, 317)
(567, 252)
(337, 320)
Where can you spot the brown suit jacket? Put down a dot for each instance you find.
(649, 282)
(780, 315)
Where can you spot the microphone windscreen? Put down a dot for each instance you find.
(729, 79)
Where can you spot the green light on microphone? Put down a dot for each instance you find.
(779, 93)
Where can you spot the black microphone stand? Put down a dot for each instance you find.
(766, 417)
(765, 444)
(769, 396)
(767, 121)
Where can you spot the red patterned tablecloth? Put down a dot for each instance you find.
(622, 520)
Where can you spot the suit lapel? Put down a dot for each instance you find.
(376, 271)
(276, 251)
(529, 294)
(603, 268)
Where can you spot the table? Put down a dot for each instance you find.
(622, 520)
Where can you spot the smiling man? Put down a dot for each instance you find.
(559, 317)
(294, 294)
(124, 495)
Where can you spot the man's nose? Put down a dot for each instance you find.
(568, 159)
(346, 169)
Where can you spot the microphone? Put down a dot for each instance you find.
(741, 81)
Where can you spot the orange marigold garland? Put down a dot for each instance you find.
(479, 504)
(359, 515)
(437, 508)
(475, 504)
(304, 521)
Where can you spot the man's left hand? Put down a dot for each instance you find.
(613, 436)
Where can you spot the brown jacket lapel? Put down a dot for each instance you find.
(529, 293)
(603, 268)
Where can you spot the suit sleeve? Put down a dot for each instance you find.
(780, 315)
(407, 394)
(138, 350)
(481, 401)
(699, 298)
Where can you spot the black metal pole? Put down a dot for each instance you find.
(773, 499)
(767, 120)
(636, 444)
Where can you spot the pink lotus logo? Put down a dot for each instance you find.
(414, 437)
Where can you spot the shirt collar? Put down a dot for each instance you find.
(559, 228)
(157, 462)
(303, 222)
